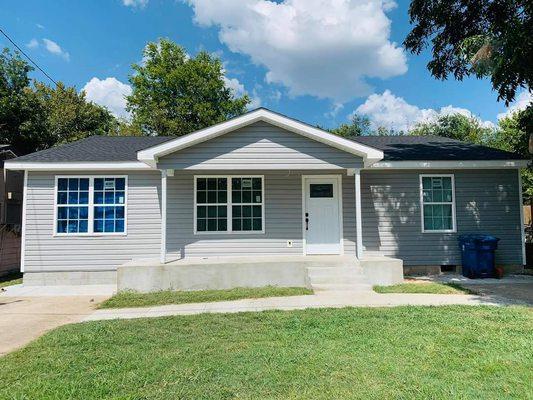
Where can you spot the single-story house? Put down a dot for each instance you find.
(260, 192)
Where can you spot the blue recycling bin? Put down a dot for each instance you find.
(478, 255)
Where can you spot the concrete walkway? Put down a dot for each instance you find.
(321, 300)
(23, 319)
(58, 291)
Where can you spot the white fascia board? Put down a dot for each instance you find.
(75, 166)
(370, 154)
(482, 164)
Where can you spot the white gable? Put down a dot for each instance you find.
(370, 155)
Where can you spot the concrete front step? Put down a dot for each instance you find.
(351, 287)
(347, 279)
(337, 278)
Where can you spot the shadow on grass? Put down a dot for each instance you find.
(10, 279)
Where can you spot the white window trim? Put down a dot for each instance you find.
(454, 221)
(229, 205)
(91, 206)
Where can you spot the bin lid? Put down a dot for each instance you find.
(477, 237)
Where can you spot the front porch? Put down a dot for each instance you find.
(321, 273)
(260, 213)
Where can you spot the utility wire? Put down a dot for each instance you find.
(27, 56)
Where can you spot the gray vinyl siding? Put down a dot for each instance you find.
(46, 252)
(486, 201)
(283, 219)
(260, 146)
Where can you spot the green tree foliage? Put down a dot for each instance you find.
(34, 116)
(455, 126)
(174, 94)
(360, 125)
(480, 37)
(511, 136)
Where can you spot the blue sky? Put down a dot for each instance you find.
(314, 60)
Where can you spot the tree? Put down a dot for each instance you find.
(15, 108)
(479, 37)
(512, 137)
(34, 116)
(360, 125)
(455, 126)
(174, 94)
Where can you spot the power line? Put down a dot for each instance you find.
(27, 56)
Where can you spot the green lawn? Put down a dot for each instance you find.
(430, 287)
(134, 299)
(454, 352)
(11, 279)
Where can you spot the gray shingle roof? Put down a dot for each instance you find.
(432, 148)
(395, 148)
(97, 148)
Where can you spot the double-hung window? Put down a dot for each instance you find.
(229, 204)
(90, 205)
(437, 197)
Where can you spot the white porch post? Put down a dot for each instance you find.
(163, 255)
(522, 231)
(358, 220)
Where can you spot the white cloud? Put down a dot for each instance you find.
(235, 86)
(255, 101)
(322, 48)
(39, 26)
(32, 44)
(238, 90)
(135, 3)
(521, 102)
(54, 48)
(335, 109)
(109, 92)
(393, 112)
(275, 96)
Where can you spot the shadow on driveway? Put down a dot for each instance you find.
(516, 293)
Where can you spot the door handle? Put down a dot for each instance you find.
(306, 221)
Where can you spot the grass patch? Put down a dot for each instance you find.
(10, 279)
(430, 287)
(134, 299)
(466, 352)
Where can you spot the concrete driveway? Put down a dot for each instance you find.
(25, 318)
(518, 292)
(514, 289)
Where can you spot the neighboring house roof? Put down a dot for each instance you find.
(6, 153)
(433, 148)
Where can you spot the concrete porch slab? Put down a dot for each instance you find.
(229, 272)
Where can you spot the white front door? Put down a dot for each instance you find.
(322, 215)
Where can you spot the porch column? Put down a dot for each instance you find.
(163, 254)
(358, 218)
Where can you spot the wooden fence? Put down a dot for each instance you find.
(9, 251)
